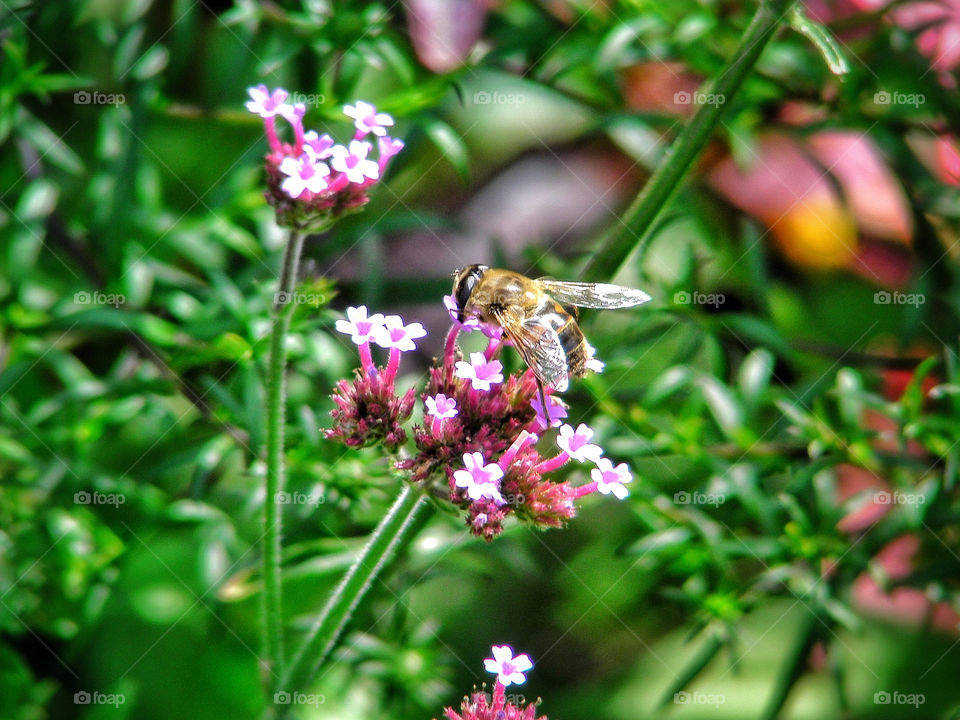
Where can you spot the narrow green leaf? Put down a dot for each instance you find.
(822, 39)
(755, 374)
(451, 145)
(724, 406)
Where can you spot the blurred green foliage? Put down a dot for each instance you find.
(138, 266)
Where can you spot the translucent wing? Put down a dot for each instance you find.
(540, 346)
(592, 295)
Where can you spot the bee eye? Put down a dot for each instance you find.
(465, 288)
(463, 292)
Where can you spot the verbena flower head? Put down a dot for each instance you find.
(509, 670)
(368, 409)
(313, 180)
(479, 445)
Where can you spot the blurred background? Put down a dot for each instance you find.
(788, 403)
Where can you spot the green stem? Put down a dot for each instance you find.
(634, 230)
(276, 416)
(400, 523)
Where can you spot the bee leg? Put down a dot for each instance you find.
(543, 399)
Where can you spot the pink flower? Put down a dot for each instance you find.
(479, 372)
(362, 329)
(469, 324)
(353, 162)
(367, 119)
(592, 362)
(939, 25)
(394, 334)
(557, 411)
(480, 480)
(508, 669)
(388, 147)
(319, 146)
(267, 104)
(293, 114)
(304, 175)
(369, 412)
(442, 407)
(611, 479)
(576, 443)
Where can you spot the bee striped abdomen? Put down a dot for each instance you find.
(571, 337)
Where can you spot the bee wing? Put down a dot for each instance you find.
(540, 346)
(593, 295)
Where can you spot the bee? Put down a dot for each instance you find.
(538, 316)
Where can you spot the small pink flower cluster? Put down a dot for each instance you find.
(368, 409)
(509, 670)
(481, 430)
(477, 446)
(315, 180)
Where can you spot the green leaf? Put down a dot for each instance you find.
(671, 381)
(153, 62)
(822, 39)
(724, 406)
(755, 374)
(849, 391)
(451, 146)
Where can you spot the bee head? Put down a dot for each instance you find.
(464, 281)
